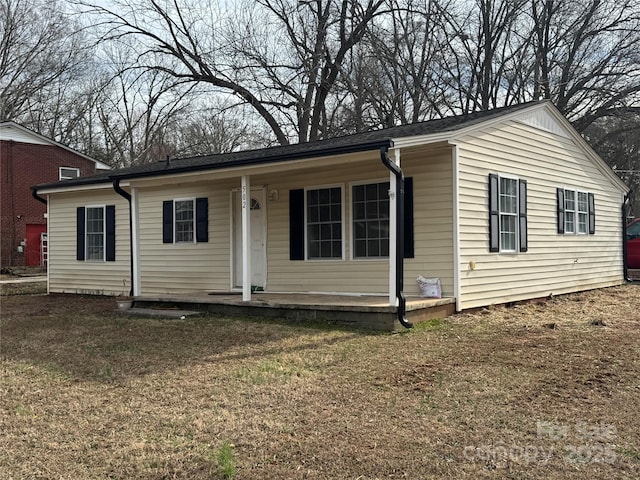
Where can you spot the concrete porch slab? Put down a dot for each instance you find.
(365, 311)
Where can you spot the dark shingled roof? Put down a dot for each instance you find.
(350, 143)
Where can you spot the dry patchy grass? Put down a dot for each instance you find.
(496, 393)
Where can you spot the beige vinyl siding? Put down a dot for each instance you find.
(336, 275)
(182, 267)
(433, 219)
(432, 225)
(178, 268)
(68, 275)
(554, 263)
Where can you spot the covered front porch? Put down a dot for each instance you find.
(364, 311)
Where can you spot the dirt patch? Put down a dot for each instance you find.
(87, 393)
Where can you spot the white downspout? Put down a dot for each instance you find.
(456, 227)
(245, 201)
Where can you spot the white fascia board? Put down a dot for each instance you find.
(602, 166)
(46, 140)
(455, 136)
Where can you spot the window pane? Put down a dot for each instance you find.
(384, 248)
(582, 202)
(508, 195)
(95, 233)
(508, 214)
(313, 232)
(184, 225)
(569, 224)
(508, 232)
(312, 197)
(371, 221)
(582, 222)
(373, 248)
(384, 209)
(569, 200)
(358, 193)
(372, 210)
(336, 213)
(314, 249)
(324, 223)
(336, 195)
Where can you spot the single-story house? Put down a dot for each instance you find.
(501, 206)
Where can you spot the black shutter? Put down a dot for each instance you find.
(560, 209)
(494, 214)
(408, 218)
(522, 216)
(80, 233)
(296, 224)
(110, 214)
(202, 219)
(167, 221)
(592, 214)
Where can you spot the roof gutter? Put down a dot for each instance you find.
(127, 196)
(402, 302)
(34, 194)
(258, 160)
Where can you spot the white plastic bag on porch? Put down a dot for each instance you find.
(429, 287)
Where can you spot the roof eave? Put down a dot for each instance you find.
(325, 152)
(99, 165)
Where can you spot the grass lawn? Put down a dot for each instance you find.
(543, 390)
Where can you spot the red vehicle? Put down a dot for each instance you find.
(633, 244)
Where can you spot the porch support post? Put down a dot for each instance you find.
(245, 197)
(393, 223)
(134, 242)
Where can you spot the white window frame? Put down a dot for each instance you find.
(567, 211)
(584, 212)
(352, 216)
(104, 233)
(576, 212)
(342, 221)
(516, 215)
(65, 177)
(175, 221)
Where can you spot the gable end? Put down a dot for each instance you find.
(542, 120)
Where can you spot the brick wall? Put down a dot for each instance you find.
(23, 165)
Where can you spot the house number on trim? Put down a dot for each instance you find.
(244, 197)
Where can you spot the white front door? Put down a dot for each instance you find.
(258, 244)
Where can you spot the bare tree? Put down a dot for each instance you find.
(587, 56)
(397, 75)
(137, 111)
(40, 51)
(617, 141)
(288, 84)
(482, 63)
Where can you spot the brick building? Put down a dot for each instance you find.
(26, 159)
